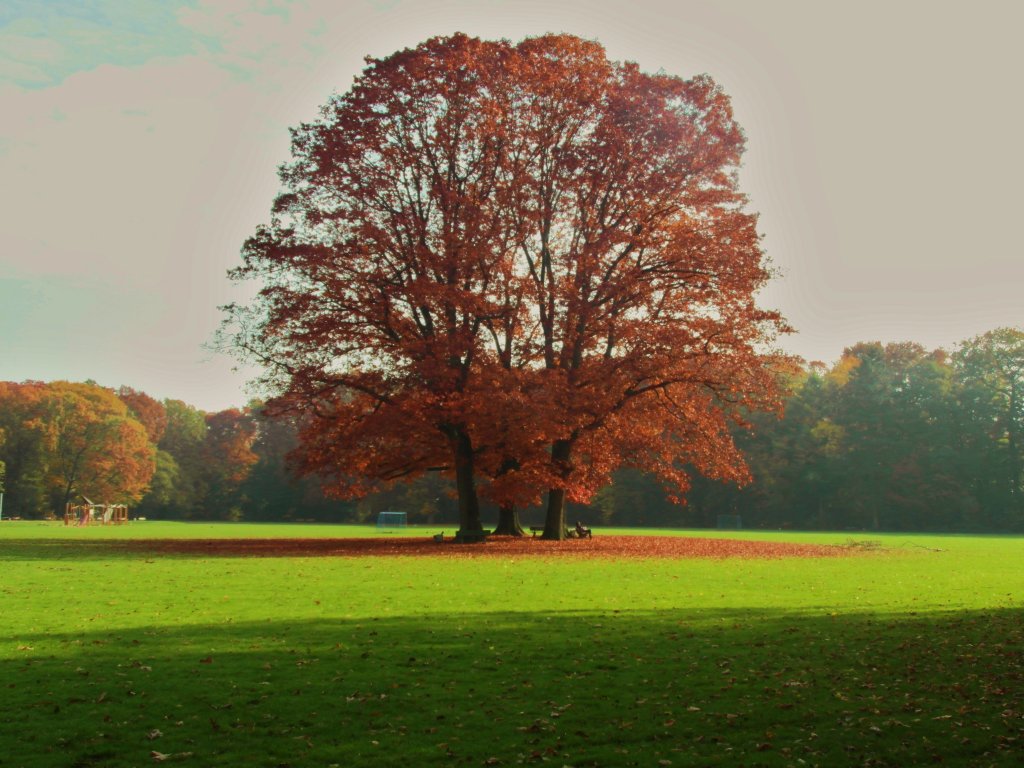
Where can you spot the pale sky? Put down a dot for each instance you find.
(139, 143)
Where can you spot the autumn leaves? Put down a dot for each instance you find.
(525, 265)
(63, 439)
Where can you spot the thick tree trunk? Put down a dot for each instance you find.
(554, 520)
(508, 521)
(465, 482)
(508, 515)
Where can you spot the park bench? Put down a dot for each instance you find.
(534, 530)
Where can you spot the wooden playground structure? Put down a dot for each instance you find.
(101, 514)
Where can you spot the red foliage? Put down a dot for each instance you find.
(611, 547)
(521, 260)
(147, 411)
(227, 450)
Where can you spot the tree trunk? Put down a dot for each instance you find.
(508, 515)
(465, 483)
(508, 521)
(554, 521)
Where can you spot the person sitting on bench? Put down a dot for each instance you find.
(582, 531)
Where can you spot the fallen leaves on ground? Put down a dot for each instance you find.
(609, 547)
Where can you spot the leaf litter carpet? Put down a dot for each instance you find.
(608, 547)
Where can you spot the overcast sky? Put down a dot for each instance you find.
(139, 143)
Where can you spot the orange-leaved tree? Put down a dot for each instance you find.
(643, 267)
(379, 264)
(22, 450)
(98, 448)
(69, 438)
(147, 411)
(521, 259)
(227, 458)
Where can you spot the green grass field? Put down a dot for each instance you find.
(907, 654)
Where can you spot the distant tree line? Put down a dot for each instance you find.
(63, 441)
(891, 437)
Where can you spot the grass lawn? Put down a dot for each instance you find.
(906, 654)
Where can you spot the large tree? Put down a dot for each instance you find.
(99, 449)
(641, 267)
(523, 260)
(66, 439)
(379, 266)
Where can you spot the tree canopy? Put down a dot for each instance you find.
(521, 262)
(66, 439)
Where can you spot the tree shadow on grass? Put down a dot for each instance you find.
(707, 687)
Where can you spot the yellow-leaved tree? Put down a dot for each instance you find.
(67, 439)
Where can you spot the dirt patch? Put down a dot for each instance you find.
(610, 547)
